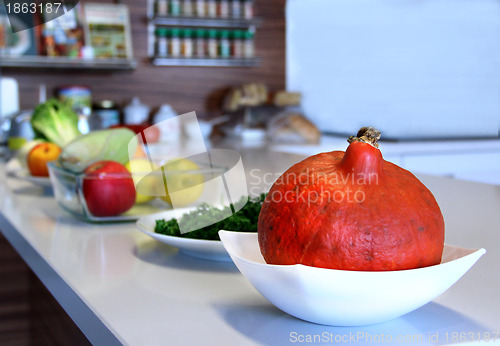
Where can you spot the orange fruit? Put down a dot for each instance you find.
(39, 156)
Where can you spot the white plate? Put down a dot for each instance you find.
(25, 175)
(212, 250)
(341, 297)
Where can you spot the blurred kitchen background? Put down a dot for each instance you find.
(296, 75)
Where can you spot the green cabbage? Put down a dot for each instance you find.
(55, 122)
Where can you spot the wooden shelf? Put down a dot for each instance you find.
(68, 63)
(221, 62)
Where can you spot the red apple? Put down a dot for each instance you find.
(108, 188)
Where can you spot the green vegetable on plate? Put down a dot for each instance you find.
(55, 122)
(244, 220)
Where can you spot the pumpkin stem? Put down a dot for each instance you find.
(366, 134)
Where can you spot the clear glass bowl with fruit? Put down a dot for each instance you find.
(110, 191)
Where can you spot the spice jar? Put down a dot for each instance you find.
(223, 8)
(200, 43)
(161, 43)
(236, 8)
(212, 43)
(187, 43)
(236, 44)
(248, 9)
(248, 45)
(162, 7)
(175, 43)
(200, 9)
(211, 8)
(224, 44)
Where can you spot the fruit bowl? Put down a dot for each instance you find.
(69, 192)
(345, 298)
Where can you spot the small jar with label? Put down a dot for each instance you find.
(212, 43)
(200, 50)
(211, 8)
(175, 43)
(224, 44)
(248, 9)
(162, 7)
(187, 8)
(175, 8)
(236, 8)
(187, 43)
(248, 44)
(200, 8)
(237, 44)
(161, 43)
(223, 8)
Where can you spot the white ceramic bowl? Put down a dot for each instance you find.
(341, 297)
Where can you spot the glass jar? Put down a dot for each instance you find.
(187, 43)
(236, 44)
(223, 8)
(162, 7)
(212, 43)
(187, 8)
(200, 50)
(175, 43)
(161, 43)
(224, 44)
(248, 45)
(236, 9)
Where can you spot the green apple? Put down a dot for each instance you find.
(140, 169)
(181, 186)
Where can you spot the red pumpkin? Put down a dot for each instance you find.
(351, 211)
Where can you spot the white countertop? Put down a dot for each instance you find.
(120, 286)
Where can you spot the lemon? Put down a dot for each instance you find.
(140, 169)
(181, 186)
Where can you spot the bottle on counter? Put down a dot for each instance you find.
(248, 9)
(108, 112)
(161, 42)
(136, 112)
(175, 43)
(175, 7)
(200, 46)
(187, 43)
(212, 43)
(161, 7)
(236, 9)
(200, 9)
(237, 44)
(223, 9)
(224, 44)
(167, 121)
(187, 8)
(248, 45)
(211, 8)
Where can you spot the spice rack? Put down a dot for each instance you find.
(216, 37)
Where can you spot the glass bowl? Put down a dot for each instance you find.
(68, 191)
